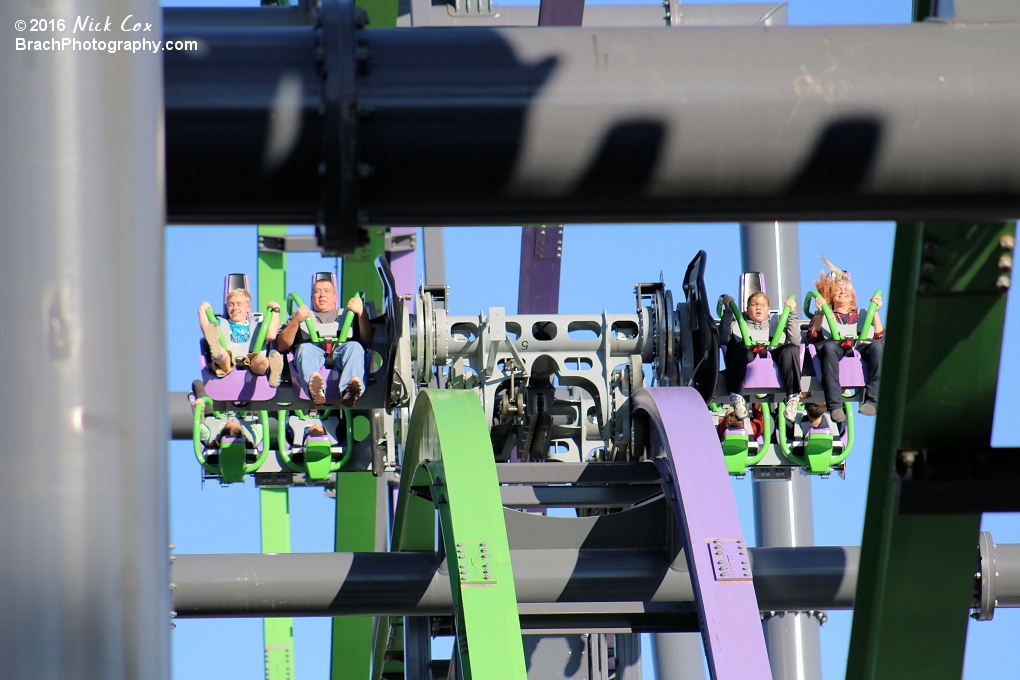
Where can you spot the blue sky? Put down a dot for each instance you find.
(601, 264)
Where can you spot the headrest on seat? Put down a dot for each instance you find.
(327, 276)
(233, 282)
(751, 283)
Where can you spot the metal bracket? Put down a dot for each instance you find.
(474, 565)
(730, 561)
(470, 8)
(957, 481)
(401, 243)
(288, 244)
(986, 578)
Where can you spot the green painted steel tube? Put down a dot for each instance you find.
(264, 450)
(295, 300)
(210, 315)
(446, 434)
(869, 317)
(260, 339)
(826, 310)
(281, 439)
(766, 435)
(848, 409)
(348, 321)
(349, 447)
(196, 433)
(783, 316)
(785, 447)
(739, 316)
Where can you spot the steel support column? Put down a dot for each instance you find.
(83, 497)
(782, 507)
(937, 397)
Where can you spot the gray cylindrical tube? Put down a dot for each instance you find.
(83, 497)
(410, 584)
(510, 126)
(783, 514)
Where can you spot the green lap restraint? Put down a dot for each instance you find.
(260, 339)
(294, 301)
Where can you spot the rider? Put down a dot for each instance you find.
(839, 293)
(240, 336)
(760, 325)
(348, 357)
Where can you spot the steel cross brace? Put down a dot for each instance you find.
(448, 451)
(697, 486)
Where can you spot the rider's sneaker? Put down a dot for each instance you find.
(792, 404)
(317, 388)
(838, 416)
(212, 338)
(739, 406)
(352, 392)
(275, 368)
(867, 409)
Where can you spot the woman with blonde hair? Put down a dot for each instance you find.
(838, 291)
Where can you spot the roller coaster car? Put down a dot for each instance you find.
(380, 360)
(240, 385)
(742, 448)
(314, 455)
(818, 449)
(234, 456)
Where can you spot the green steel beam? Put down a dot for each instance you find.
(360, 505)
(945, 320)
(448, 453)
(278, 634)
(359, 268)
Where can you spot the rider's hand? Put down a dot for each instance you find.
(302, 313)
(204, 306)
(356, 305)
(792, 304)
(726, 300)
(273, 306)
(877, 300)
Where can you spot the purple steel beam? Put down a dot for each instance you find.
(560, 12)
(698, 486)
(402, 264)
(539, 288)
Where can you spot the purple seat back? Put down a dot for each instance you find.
(851, 369)
(238, 385)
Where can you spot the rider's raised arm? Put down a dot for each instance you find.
(274, 321)
(288, 334)
(202, 318)
(363, 331)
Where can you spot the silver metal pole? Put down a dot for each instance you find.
(679, 656)
(782, 507)
(83, 497)
(435, 256)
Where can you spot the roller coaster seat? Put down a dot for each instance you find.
(233, 452)
(851, 368)
(762, 373)
(818, 445)
(238, 385)
(378, 374)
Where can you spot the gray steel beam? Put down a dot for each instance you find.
(782, 506)
(921, 124)
(603, 16)
(576, 496)
(412, 584)
(435, 257)
(83, 497)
